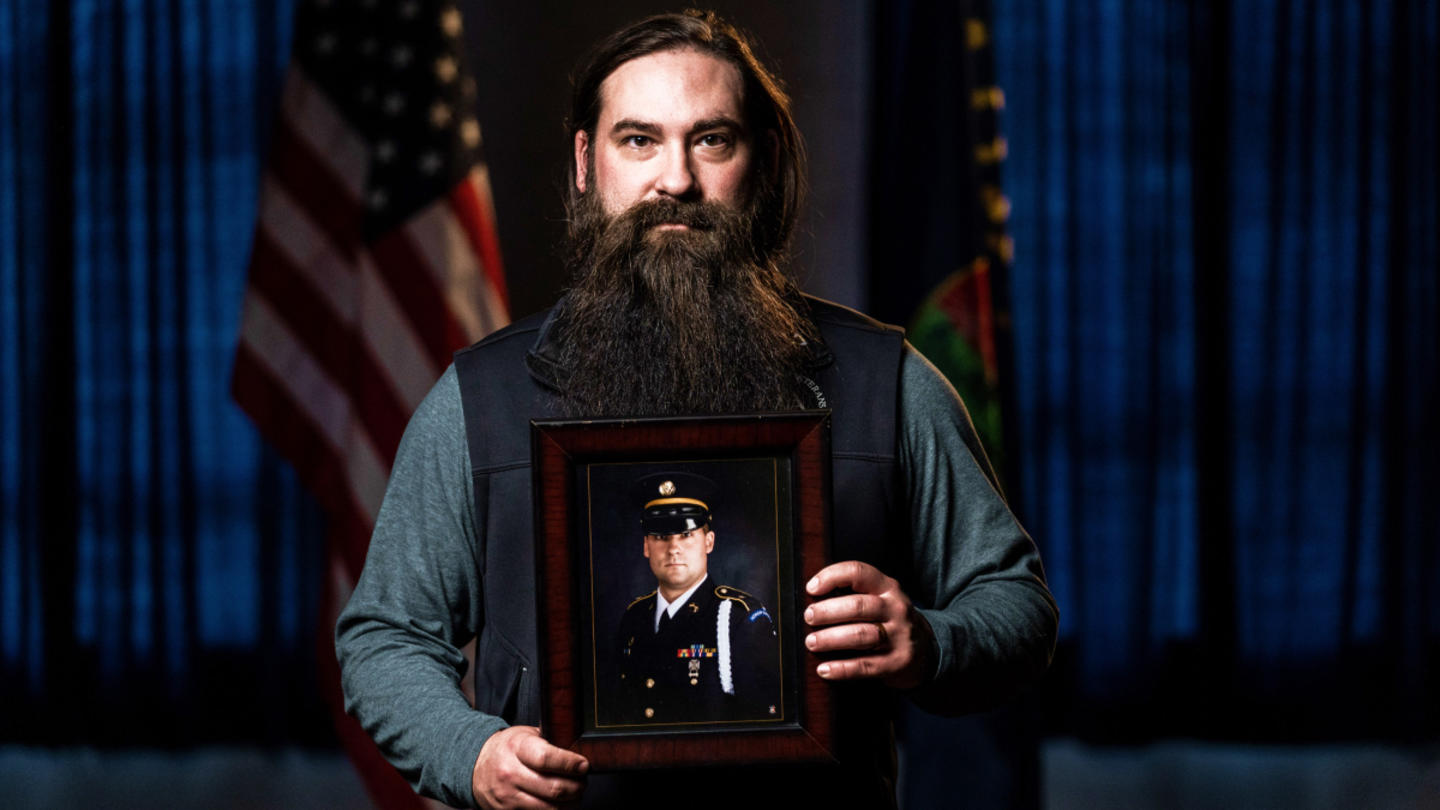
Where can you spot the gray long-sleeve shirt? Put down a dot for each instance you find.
(978, 582)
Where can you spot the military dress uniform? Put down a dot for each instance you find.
(717, 660)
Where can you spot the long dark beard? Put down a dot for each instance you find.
(677, 322)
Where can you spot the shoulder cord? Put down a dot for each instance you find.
(722, 641)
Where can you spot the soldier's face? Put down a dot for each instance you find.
(679, 560)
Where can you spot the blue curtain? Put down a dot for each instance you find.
(1226, 326)
(159, 568)
(1225, 322)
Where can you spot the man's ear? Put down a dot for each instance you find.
(582, 159)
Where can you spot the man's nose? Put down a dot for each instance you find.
(676, 177)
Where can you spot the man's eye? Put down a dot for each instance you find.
(638, 141)
(714, 140)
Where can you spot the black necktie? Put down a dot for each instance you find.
(664, 621)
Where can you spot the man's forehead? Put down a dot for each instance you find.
(672, 86)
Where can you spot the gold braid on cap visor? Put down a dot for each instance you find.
(671, 501)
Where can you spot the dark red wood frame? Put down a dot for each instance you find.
(557, 448)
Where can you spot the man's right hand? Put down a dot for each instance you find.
(518, 768)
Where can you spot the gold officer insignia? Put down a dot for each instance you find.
(667, 488)
(745, 599)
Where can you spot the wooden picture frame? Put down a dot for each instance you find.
(771, 474)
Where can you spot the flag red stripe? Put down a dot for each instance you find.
(285, 426)
(332, 343)
(478, 222)
(401, 267)
(308, 178)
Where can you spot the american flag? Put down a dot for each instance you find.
(374, 259)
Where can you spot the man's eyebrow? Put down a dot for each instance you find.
(649, 128)
(635, 125)
(718, 122)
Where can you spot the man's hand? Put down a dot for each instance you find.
(888, 637)
(518, 768)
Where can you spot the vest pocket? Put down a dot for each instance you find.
(527, 710)
(498, 680)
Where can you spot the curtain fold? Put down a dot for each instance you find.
(160, 565)
(1225, 310)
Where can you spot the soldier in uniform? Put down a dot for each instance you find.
(692, 650)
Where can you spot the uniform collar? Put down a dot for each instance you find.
(673, 607)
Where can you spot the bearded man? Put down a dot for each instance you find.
(687, 178)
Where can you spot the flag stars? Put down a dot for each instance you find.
(385, 151)
(470, 132)
(401, 56)
(378, 199)
(450, 22)
(409, 9)
(366, 94)
(430, 162)
(325, 43)
(394, 104)
(439, 114)
(368, 46)
(446, 69)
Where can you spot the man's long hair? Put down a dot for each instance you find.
(779, 178)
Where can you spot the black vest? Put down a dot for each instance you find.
(856, 374)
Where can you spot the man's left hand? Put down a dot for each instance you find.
(877, 623)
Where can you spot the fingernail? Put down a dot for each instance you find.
(809, 615)
(824, 670)
(813, 585)
(810, 641)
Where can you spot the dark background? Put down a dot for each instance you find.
(1223, 304)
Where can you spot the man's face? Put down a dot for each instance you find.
(679, 560)
(671, 125)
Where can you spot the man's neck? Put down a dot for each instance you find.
(672, 597)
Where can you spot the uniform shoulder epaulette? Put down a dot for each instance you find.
(746, 600)
(639, 599)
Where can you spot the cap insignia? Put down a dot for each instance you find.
(667, 488)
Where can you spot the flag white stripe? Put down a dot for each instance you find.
(383, 328)
(309, 251)
(448, 255)
(366, 474)
(284, 356)
(392, 340)
(319, 398)
(316, 122)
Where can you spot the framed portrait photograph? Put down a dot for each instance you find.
(672, 555)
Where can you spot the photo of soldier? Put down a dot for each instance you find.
(694, 647)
